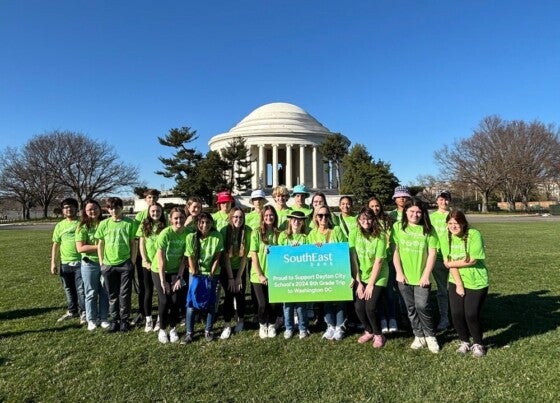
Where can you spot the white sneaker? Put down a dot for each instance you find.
(393, 327)
(464, 347)
(226, 333)
(156, 326)
(478, 350)
(173, 336)
(329, 334)
(338, 333)
(149, 326)
(162, 337)
(83, 319)
(263, 331)
(303, 334)
(288, 334)
(384, 327)
(66, 316)
(432, 343)
(418, 343)
(105, 325)
(271, 331)
(91, 326)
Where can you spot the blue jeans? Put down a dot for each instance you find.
(334, 313)
(418, 309)
(210, 312)
(71, 277)
(301, 310)
(97, 299)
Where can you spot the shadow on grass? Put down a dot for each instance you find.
(517, 316)
(26, 313)
(17, 333)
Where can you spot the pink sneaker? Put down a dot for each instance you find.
(378, 341)
(364, 338)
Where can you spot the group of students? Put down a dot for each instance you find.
(184, 256)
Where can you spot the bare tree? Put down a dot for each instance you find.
(84, 167)
(14, 180)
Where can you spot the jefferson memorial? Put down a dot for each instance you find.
(283, 142)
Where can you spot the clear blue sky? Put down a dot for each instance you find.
(401, 77)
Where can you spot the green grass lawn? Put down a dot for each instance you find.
(41, 360)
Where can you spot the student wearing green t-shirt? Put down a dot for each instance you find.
(299, 194)
(237, 240)
(192, 209)
(148, 231)
(167, 274)
(203, 249)
(463, 251)
(324, 231)
(416, 246)
(370, 272)
(388, 307)
(438, 219)
(400, 196)
(151, 197)
(347, 218)
(117, 253)
(281, 195)
(224, 201)
(258, 200)
(261, 239)
(96, 297)
(294, 235)
(64, 248)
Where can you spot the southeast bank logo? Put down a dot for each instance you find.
(313, 259)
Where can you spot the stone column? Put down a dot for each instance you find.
(302, 164)
(289, 166)
(314, 170)
(254, 167)
(262, 167)
(274, 165)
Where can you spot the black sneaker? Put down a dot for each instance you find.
(125, 327)
(187, 339)
(114, 327)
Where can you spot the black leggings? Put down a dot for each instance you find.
(465, 312)
(365, 309)
(148, 291)
(265, 311)
(168, 304)
(229, 296)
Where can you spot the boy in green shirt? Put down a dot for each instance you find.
(117, 254)
(70, 269)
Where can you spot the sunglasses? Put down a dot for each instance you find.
(321, 216)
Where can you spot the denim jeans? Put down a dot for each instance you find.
(118, 283)
(334, 313)
(71, 277)
(97, 299)
(301, 310)
(210, 312)
(418, 309)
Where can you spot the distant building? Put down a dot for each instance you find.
(283, 142)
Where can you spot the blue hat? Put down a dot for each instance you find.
(300, 189)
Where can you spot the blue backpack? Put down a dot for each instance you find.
(201, 294)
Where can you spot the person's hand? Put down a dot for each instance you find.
(262, 279)
(368, 291)
(231, 285)
(54, 269)
(352, 282)
(177, 285)
(166, 287)
(319, 244)
(401, 278)
(425, 282)
(460, 290)
(238, 285)
(360, 291)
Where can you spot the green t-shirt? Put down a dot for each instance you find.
(437, 219)
(396, 215)
(149, 242)
(282, 219)
(413, 249)
(64, 234)
(235, 260)
(262, 252)
(140, 216)
(347, 223)
(87, 236)
(335, 235)
(173, 245)
(474, 277)
(293, 240)
(118, 237)
(253, 219)
(305, 208)
(209, 247)
(220, 219)
(368, 249)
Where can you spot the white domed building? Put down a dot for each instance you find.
(283, 142)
